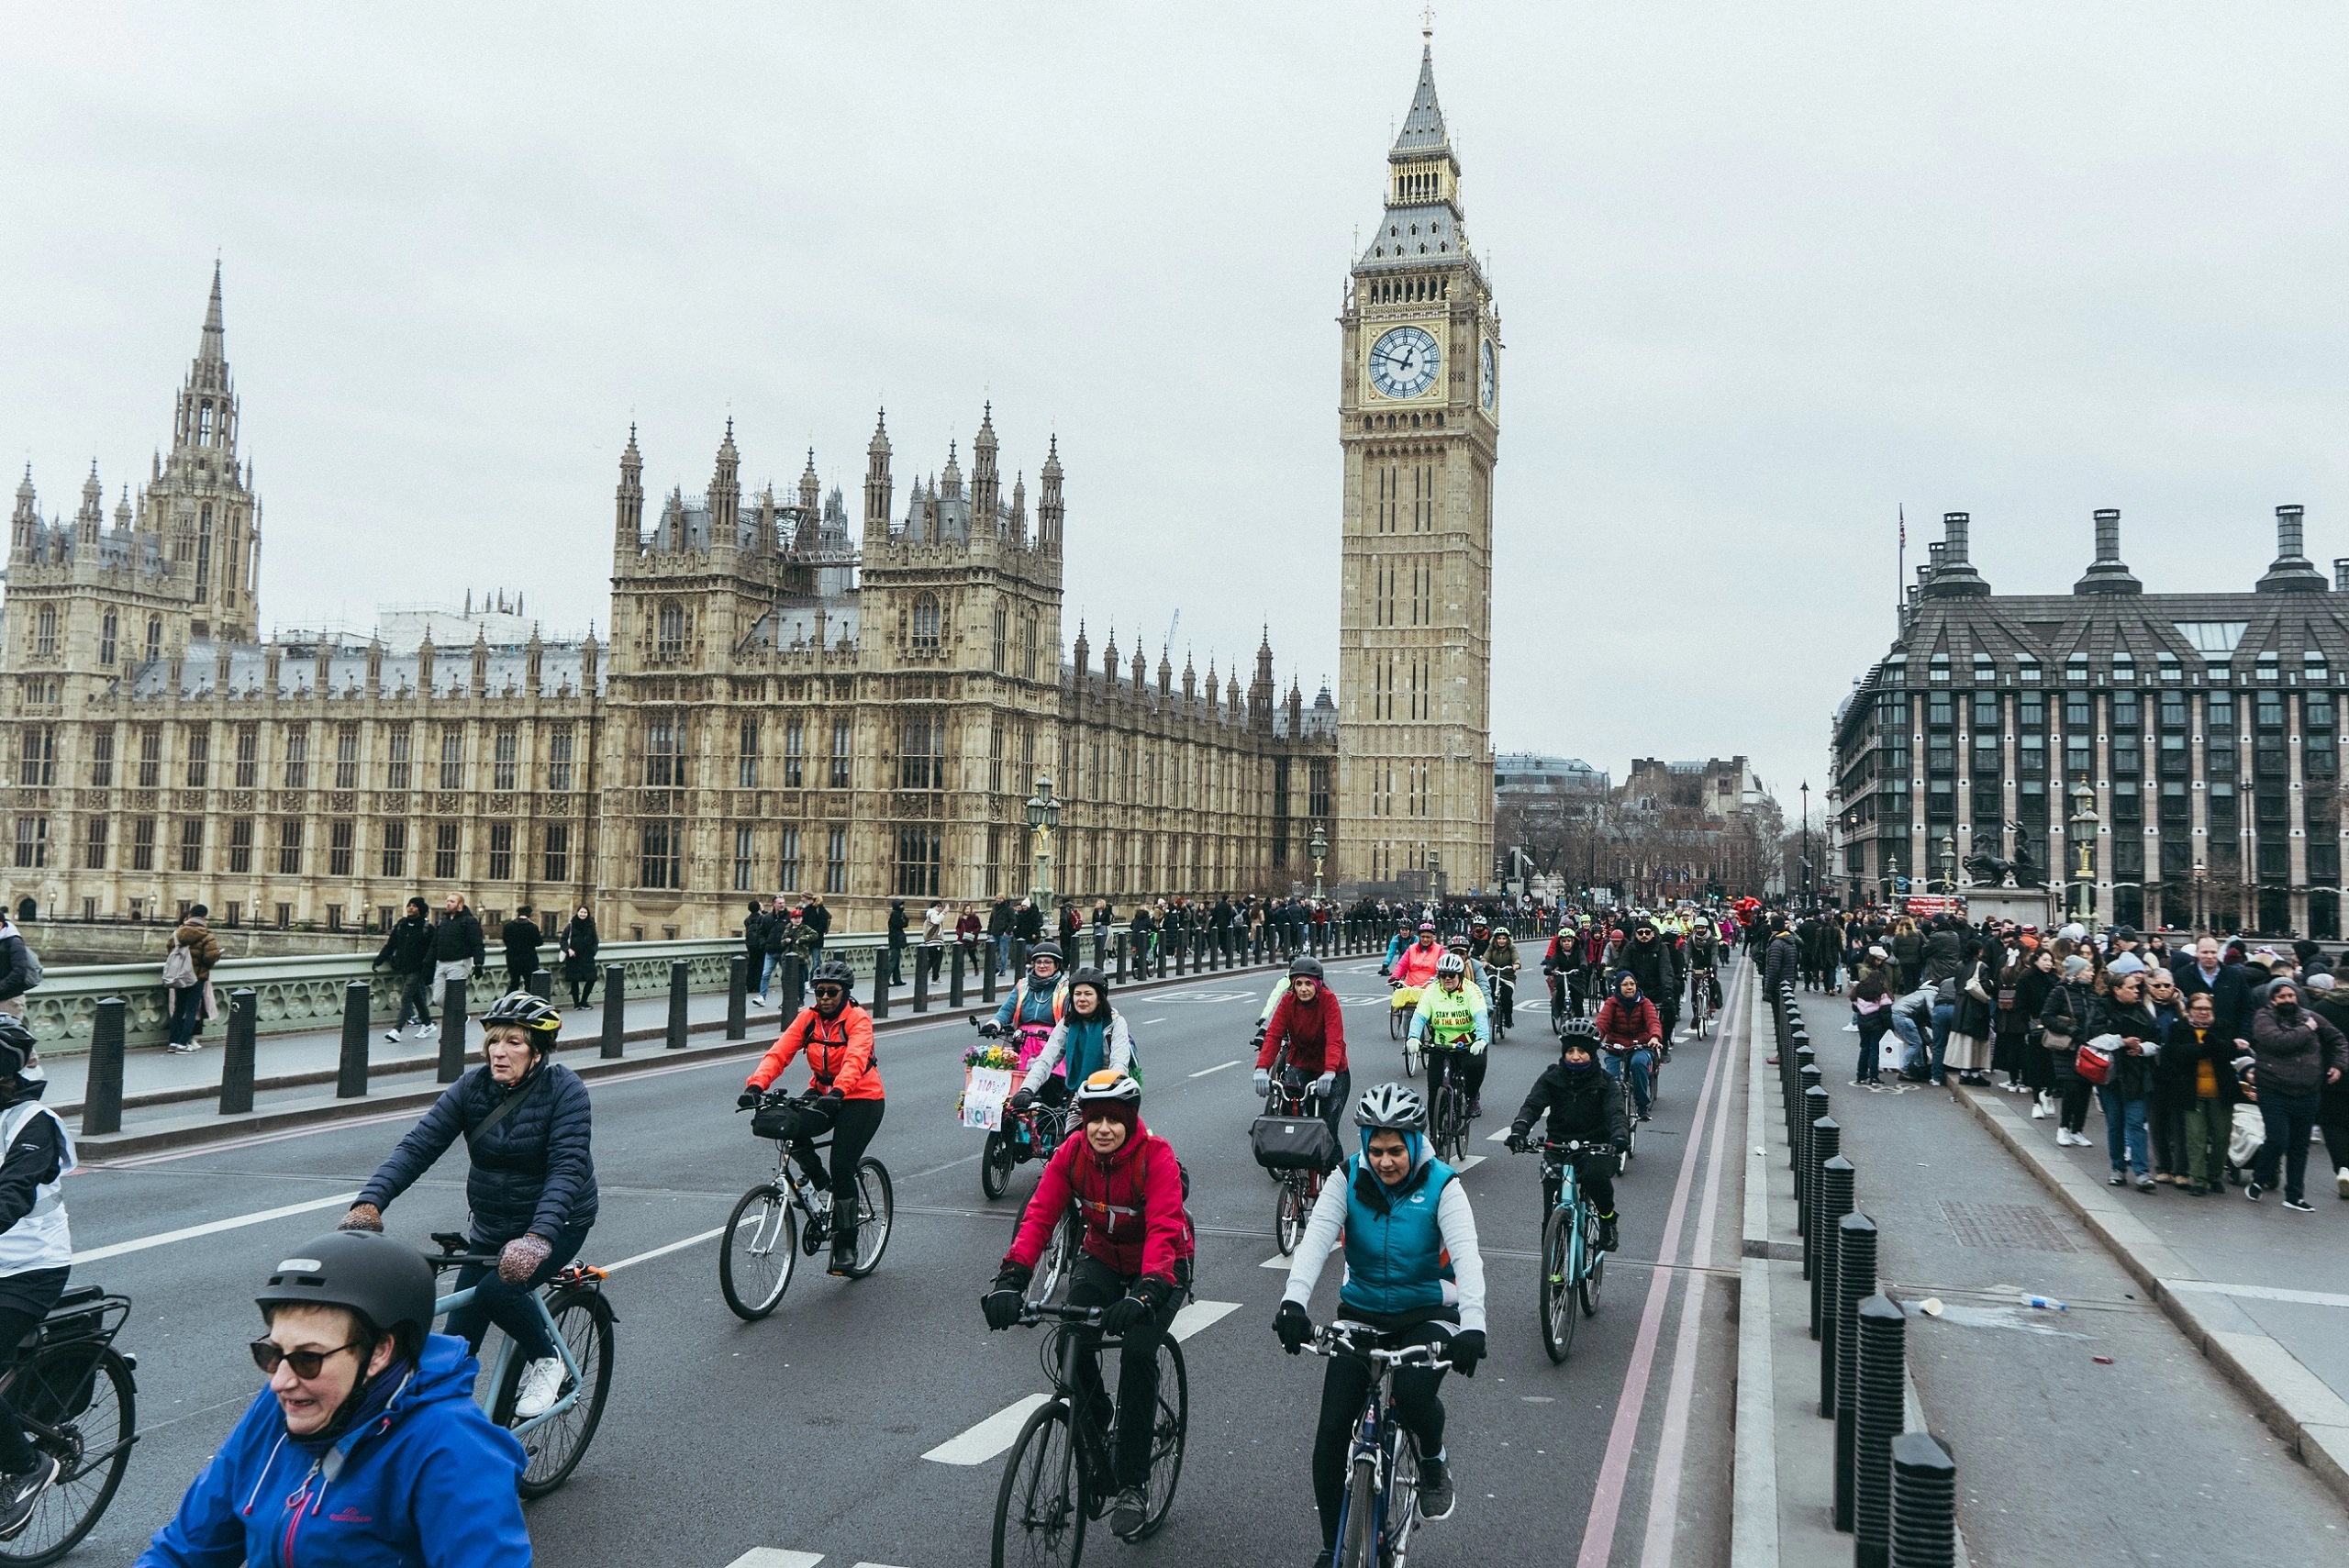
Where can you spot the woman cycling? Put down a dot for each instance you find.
(1126, 1182)
(1091, 1035)
(1453, 1027)
(843, 1087)
(531, 1185)
(1630, 1030)
(36, 1248)
(366, 1448)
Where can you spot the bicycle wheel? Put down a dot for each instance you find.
(996, 1161)
(1040, 1508)
(1558, 1315)
(756, 1254)
(1594, 1274)
(1167, 1429)
(1358, 1525)
(1288, 1216)
(875, 1208)
(1060, 1253)
(93, 1404)
(584, 1319)
(1394, 1030)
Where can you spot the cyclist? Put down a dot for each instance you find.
(843, 1087)
(36, 1248)
(1415, 965)
(1480, 937)
(1501, 963)
(1310, 1022)
(1454, 1027)
(1127, 1185)
(1704, 956)
(1649, 956)
(1396, 945)
(1040, 997)
(530, 1182)
(1562, 964)
(1629, 1028)
(1412, 1272)
(366, 1446)
(1585, 1106)
(1090, 1036)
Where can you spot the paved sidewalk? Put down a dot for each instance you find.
(2080, 1437)
(2262, 1291)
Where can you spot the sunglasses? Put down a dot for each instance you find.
(829, 991)
(306, 1364)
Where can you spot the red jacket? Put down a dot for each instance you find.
(1316, 1033)
(1623, 1028)
(840, 1054)
(1133, 1205)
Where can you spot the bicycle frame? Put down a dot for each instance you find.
(506, 1351)
(1378, 1432)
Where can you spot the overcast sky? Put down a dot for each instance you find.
(1766, 273)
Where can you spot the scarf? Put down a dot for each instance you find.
(359, 1409)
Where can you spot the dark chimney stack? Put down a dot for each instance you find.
(2292, 572)
(2106, 574)
(1952, 575)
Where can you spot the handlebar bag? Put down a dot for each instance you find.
(1293, 1143)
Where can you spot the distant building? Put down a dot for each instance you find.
(1718, 788)
(1521, 773)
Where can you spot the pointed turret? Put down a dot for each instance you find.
(1020, 510)
(122, 512)
(24, 519)
(1260, 691)
(1191, 681)
(986, 484)
(93, 514)
(1166, 675)
(725, 494)
(1109, 658)
(212, 348)
(878, 487)
(1083, 656)
(763, 540)
(950, 481)
(810, 487)
(1422, 223)
(1048, 506)
(628, 506)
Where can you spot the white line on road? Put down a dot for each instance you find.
(1216, 1068)
(664, 1252)
(1277, 1260)
(1500, 1136)
(1200, 1315)
(2256, 1292)
(213, 1228)
(990, 1437)
(1468, 1164)
(775, 1557)
(1147, 1022)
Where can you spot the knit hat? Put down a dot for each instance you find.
(2075, 966)
(2320, 981)
(1876, 952)
(2126, 964)
(2074, 932)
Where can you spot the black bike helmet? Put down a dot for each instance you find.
(387, 1285)
(1305, 964)
(523, 1009)
(17, 1047)
(832, 971)
(1046, 950)
(1089, 976)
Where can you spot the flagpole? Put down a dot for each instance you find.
(1900, 577)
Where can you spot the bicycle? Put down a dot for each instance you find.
(1060, 1475)
(1631, 1109)
(1382, 1495)
(1032, 1134)
(1701, 984)
(1300, 1189)
(77, 1401)
(1401, 1007)
(1447, 1101)
(1503, 1009)
(1573, 1265)
(578, 1321)
(785, 1215)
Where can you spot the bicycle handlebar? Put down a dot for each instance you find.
(1035, 1312)
(1336, 1340)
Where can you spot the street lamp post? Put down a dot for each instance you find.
(1891, 879)
(2083, 824)
(1044, 816)
(1949, 861)
(1805, 842)
(2198, 895)
(1320, 848)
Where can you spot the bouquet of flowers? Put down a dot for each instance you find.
(988, 1056)
(991, 1054)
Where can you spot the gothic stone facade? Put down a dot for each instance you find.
(782, 707)
(2204, 726)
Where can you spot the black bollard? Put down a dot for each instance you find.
(738, 996)
(452, 1032)
(1810, 1105)
(1826, 1142)
(954, 981)
(237, 1066)
(352, 1080)
(1877, 1407)
(1182, 950)
(1854, 1282)
(1836, 1177)
(541, 986)
(986, 971)
(921, 982)
(678, 972)
(1924, 1504)
(102, 1096)
(615, 1011)
(880, 984)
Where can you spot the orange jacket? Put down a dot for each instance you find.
(840, 1054)
(1415, 965)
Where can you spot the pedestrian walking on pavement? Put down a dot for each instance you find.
(408, 953)
(522, 938)
(187, 972)
(579, 944)
(457, 946)
(2295, 1055)
(755, 949)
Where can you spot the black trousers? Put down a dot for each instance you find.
(1595, 1174)
(852, 1131)
(1344, 1388)
(1468, 1065)
(1096, 1284)
(25, 1300)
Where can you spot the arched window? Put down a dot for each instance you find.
(105, 638)
(926, 623)
(669, 631)
(154, 637)
(45, 632)
(1002, 621)
(1028, 647)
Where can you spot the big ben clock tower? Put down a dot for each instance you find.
(1419, 418)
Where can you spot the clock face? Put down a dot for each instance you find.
(1403, 362)
(1488, 378)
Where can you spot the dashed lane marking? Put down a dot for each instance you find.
(1277, 1260)
(775, 1557)
(1500, 1136)
(999, 1431)
(665, 1251)
(1216, 1068)
(213, 1228)
(1467, 1164)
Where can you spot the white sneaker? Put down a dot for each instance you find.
(429, 1031)
(392, 1036)
(2038, 1111)
(2341, 1181)
(2063, 1137)
(541, 1383)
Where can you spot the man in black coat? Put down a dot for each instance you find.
(1649, 958)
(1586, 1106)
(2229, 986)
(408, 953)
(522, 938)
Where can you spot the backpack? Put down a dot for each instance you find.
(179, 967)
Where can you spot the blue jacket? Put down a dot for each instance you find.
(428, 1484)
(1394, 1256)
(530, 1174)
(1032, 1003)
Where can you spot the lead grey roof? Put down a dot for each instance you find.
(1423, 127)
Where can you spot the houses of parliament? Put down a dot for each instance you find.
(791, 700)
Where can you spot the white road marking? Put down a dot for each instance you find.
(775, 1557)
(983, 1442)
(213, 1228)
(2256, 1292)
(1147, 1022)
(1500, 1136)
(1274, 1261)
(1200, 1315)
(1468, 1164)
(1216, 1068)
(664, 1252)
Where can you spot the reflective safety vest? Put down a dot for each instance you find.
(40, 1240)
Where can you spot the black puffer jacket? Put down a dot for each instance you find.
(531, 1173)
(1585, 1105)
